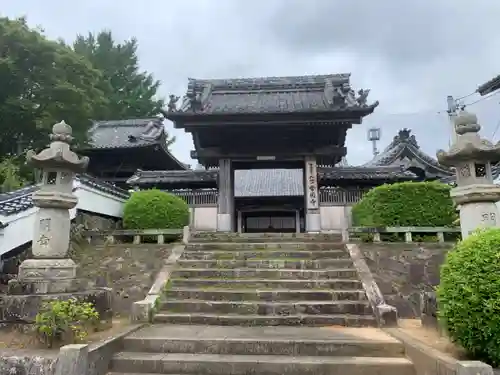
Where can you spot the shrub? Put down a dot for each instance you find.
(469, 295)
(65, 321)
(405, 204)
(155, 209)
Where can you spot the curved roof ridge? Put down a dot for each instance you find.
(403, 141)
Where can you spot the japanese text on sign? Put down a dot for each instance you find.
(312, 186)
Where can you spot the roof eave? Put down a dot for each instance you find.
(181, 118)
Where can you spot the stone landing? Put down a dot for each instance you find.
(194, 349)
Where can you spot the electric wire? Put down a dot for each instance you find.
(483, 98)
(466, 96)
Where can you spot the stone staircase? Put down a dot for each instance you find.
(269, 306)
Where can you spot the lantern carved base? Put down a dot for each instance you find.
(46, 276)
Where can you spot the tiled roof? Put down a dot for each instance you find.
(402, 145)
(126, 133)
(273, 95)
(365, 173)
(489, 86)
(132, 133)
(17, 201)
(20, 200)
(152, 177)
(270, 182)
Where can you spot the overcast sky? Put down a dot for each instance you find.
(411, 54)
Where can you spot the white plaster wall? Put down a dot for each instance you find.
(335, 218)
(19, 230)
(204, 218)
(99, 202)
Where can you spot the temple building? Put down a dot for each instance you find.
(405, 152)
(271, 154)
(119, 148)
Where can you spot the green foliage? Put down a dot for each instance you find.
(43, 82)
(131, 93)
(469, 295)
(10, 176)
(405, 204)
(155, 209)
(62, 321)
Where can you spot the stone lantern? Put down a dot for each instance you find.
(50, 270)
(472, 156)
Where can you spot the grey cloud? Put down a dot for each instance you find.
(410, 53)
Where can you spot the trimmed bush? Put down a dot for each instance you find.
(469, 295)
(155, 209)
(406, 204)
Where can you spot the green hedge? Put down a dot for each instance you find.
(405, 204)
(469, 295)
(155, 209)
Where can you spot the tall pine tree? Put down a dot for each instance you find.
(131, 92)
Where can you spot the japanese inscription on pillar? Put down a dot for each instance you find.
(312, 186)
(489, 218)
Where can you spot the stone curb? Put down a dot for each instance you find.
(386, 315)
(141, 310)
(428, 360)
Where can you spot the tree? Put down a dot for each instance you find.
(10, 176)
(43, 82)
(131, 93)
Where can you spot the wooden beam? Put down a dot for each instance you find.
(216, 153)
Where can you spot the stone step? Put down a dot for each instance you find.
(264, 254)
(177, 293)
(238, 246)
(342, 273)
(345, 320)
(297, 264)
(265, 237)
(280, 340)
(361, 307)
(208, 364)
(337, 284)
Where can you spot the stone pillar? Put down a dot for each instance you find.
(225, 210)
(311, 195)
(475, 194)
(51, 270)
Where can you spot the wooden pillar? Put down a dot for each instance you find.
(239, 221)
(225, 209)
(297, 221)
(311, 195)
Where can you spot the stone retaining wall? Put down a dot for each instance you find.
(403, 271)
(130, 270)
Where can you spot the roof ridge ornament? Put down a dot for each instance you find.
(405, 136)
(344, 96)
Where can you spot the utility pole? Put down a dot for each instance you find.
(452, 114)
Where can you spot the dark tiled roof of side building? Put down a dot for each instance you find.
(404, 145)
(310, 93)
(270, 182)
(132, 133)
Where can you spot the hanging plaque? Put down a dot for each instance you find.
(312, 185)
